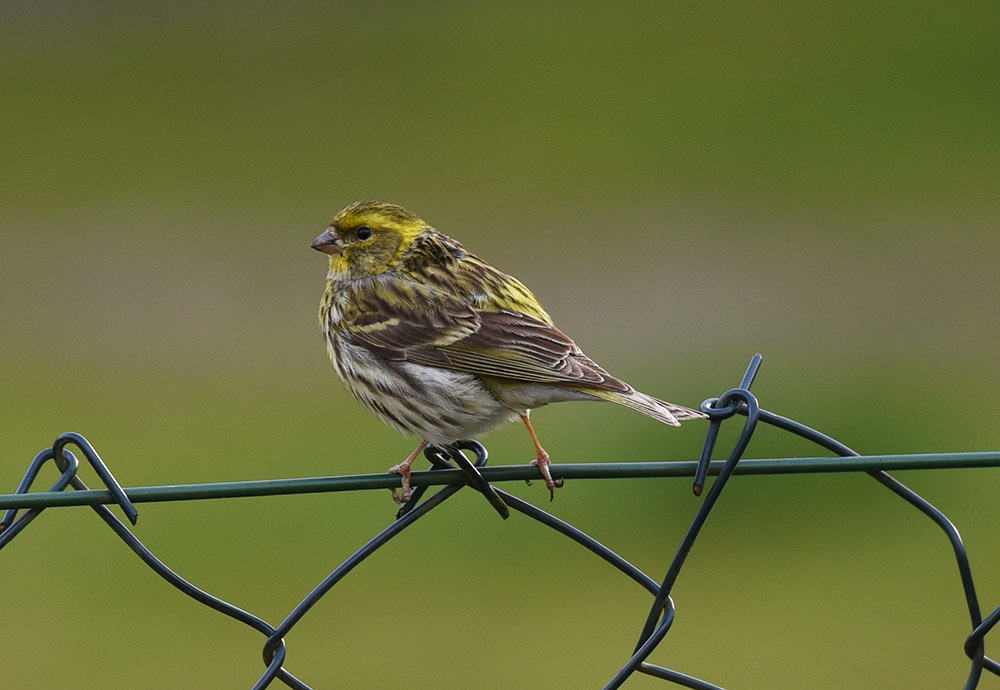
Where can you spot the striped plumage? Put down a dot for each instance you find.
(440, 344)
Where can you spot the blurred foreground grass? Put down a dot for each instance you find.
(786, 564)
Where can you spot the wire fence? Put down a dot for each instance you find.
(453, 470)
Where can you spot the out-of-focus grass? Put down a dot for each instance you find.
(781, 106)
(681, 185)
(796, 562)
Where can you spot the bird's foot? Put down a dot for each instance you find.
(542, 462)
(403, 470)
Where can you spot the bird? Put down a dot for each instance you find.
(441, 345)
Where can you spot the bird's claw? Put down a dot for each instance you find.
(404, 473)
(542, 463)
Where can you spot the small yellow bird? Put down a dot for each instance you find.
(440, 344)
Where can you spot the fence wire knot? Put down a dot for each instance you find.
(452, 470)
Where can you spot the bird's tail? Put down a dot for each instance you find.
(666, 412)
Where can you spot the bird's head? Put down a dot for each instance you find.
(367, 238)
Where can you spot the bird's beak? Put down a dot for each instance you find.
(328, 243)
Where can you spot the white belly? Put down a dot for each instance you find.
(435, 405)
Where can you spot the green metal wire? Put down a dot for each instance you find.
(737, 401)
(606, 470)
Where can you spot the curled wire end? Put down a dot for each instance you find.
(718, 409)
(11, 524)
(58, 448)
(441, 458)
(476, 480)
(476, 447)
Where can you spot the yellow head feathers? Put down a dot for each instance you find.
(368, 237)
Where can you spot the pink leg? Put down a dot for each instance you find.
(541, 459)
(403, 470)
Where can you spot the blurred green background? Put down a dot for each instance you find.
(682, 185)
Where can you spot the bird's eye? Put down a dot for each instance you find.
(364, 232)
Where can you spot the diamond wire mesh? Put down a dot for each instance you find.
(453, 470)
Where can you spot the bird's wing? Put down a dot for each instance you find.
(513, 345)
(416, 322)
(394, 318)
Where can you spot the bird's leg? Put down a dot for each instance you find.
(403, 470)
(541, 459)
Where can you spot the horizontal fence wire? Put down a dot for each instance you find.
(453, 470)
(597, 470)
